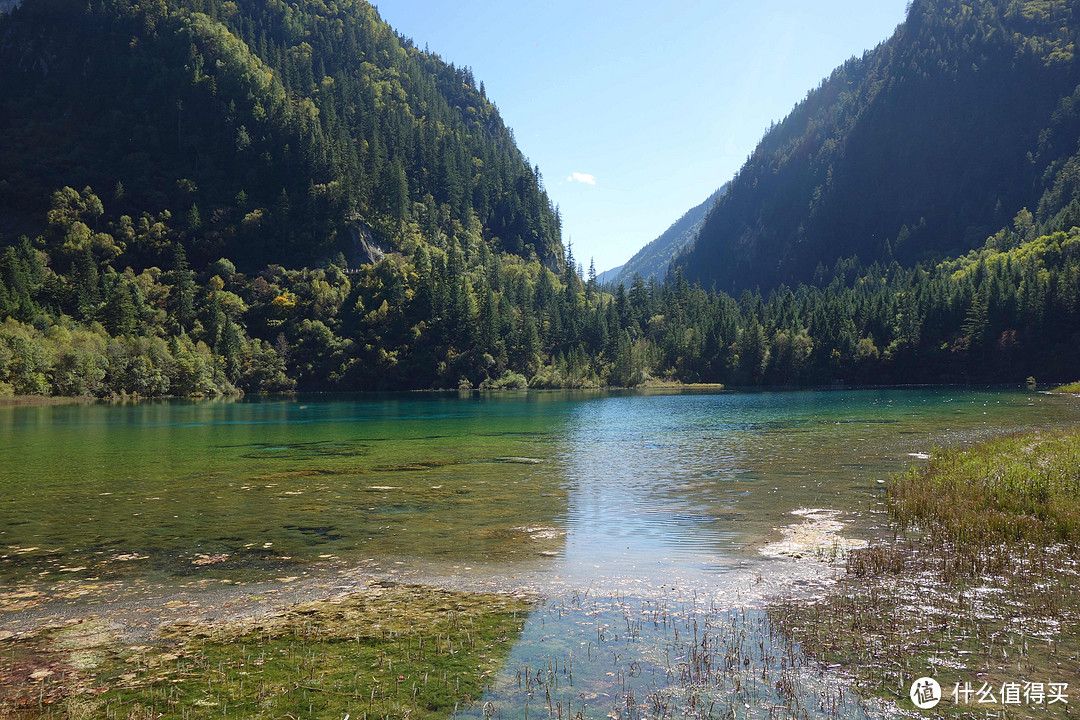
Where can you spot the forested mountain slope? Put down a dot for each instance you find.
(270, 131)
(917, 151)
(187, 188)
(653, 259)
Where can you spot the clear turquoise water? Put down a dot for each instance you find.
(586, 485)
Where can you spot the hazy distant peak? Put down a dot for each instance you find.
(653, 259)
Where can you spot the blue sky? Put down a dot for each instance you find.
(636, 111)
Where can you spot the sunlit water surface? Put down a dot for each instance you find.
(611, 505)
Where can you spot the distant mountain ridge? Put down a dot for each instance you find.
(609, 275)
(917, 151)
(653, 259)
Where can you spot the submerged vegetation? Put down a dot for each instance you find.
(980, 591)
(400, 652)
(631, 659)
(703, 650)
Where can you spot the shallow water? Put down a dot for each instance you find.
(626, 658)
(586, 485)
(636, 498)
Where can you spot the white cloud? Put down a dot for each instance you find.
(581, 178)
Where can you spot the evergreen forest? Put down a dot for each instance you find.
(917, 151)
(204, 197)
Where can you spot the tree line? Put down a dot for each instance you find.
(77, 319)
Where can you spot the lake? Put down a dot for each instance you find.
(614, 506)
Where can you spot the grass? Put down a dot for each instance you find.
(980, 585)
(626, 658)
(1073, 388)
(403, 652)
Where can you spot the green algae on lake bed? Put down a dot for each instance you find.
(388, 652)
(169, 491)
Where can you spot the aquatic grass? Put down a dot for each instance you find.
(410, 652)
(402, 652)
(629, 658)
(981, 583)
(701, 683)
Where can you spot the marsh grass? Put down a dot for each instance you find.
(1073, 388)
(981, 584)
(403, 652)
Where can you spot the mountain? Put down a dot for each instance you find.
(652, 260)
(917, 151)
(190, 192)
(281, 132)
(609, 275)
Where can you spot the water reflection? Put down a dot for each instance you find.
(684, 485)
(641, 499)
(656, 609)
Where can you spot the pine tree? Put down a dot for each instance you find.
(118, 312)
(182, 295)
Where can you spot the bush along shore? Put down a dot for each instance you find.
(979, 588)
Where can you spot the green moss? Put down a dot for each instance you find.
(403, 652)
